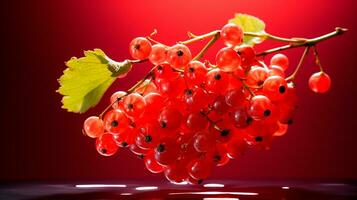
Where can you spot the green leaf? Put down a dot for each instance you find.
(86, 79)
(249, 24)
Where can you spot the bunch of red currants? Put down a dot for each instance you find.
(188, 116)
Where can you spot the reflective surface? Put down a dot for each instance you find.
(211, 190)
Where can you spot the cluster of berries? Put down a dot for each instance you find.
(189, 116)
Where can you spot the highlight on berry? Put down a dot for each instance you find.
(190, 114)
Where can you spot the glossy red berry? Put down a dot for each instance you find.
(93, 127)
(140, 48)
(260, 107)
(106, 145)
(275, 87)
(179, 56)
(116, 121)
(204, 141)
(256, 76)
(170, 118)
(158, 54)
(152, 165)
(227, 59)
(320, 82)
(232, 35)
(134, 105)
(216, 81)
(195, 73)
(280, 60)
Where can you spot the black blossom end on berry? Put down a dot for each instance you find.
(141, 156)
(115, 123)
(163, 124)
(282, 89)
(217, 76)
(267, 113)
(199, 181)
(160, 148)
(148, 138)
(160, 68)
(259, 139)
(104, 151)
(249, 120)
(191, 69)
(217, 158)
(130, 106)
(260, 83)
(179, 53)
(137, 46)
(124, 144)
(225, 132)
(188, 92)
(290, 121)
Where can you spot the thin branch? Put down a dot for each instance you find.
(293, 75)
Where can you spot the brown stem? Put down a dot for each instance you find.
(305, 42)
(293, 75)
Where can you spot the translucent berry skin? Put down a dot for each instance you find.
(148, 136)
(232, 35)
(235, 97)
(176, 173)
(260, 107)
(114, 98)
(154, 102)
(179, 56)
(280, 60)
(166, 152)
(283, 128)
(216, 81)
(195, 73)
(164, 71)
(158, 54)
(240, 117)
(256, 76)
(275, 87)
(200, 169)
(247, 54)
(93, 127)
(140, 48)
(196, 121)
(116, 121)
(170, 118)
(106, 145)
(204, 141)
(227, 59)
(152, 165)
(320, 82)
(275, 70)
(134, 105)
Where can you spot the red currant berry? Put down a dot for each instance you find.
(195, 73)
(247, 54)
(114, 99)
(158, 54)
(204, 141)
(275, 87)
(320, 82)
(227, 59)
(93, 127)
(280, 60)
(179, 56)
(216, 81)
(152, 165)
(170, 118)
(134, 105)
(166, 152)
(232, 35)
(260, 107)
(116, 121)
(140, 48)
(256, 76)
(106, 145)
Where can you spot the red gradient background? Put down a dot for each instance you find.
(40, 141)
